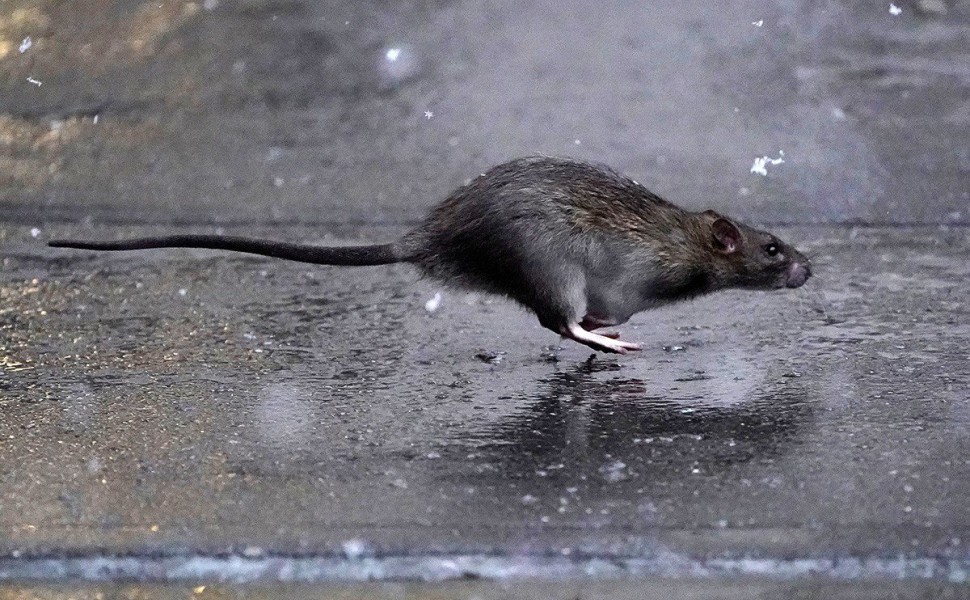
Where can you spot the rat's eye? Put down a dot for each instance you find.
(771, 249)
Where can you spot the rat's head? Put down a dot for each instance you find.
(749, 258)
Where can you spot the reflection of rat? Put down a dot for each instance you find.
(579, 244)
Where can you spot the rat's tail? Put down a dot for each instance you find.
(355, 256)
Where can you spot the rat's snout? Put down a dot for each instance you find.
(798, 273)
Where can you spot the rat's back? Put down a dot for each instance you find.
(517, 217)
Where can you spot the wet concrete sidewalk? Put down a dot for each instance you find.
(622, 589)
(193, 415)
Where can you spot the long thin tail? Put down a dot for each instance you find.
(381, 254)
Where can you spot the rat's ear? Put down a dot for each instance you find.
(727, 236)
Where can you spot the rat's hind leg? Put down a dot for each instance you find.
(558, 297)
(591, 322)
(596, 341)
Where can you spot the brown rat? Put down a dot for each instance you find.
(579, 244)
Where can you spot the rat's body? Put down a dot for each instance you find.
(579, 244)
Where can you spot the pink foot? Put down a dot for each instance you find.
(603, 343)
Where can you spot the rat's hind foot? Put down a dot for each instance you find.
(589, 323)
(603, 343)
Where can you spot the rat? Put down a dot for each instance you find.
(581, 245)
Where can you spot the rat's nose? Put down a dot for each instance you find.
(798, 274)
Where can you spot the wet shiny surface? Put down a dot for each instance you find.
(650, 589)
(190, 402)
(194, 415)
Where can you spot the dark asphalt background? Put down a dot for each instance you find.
(197, 416)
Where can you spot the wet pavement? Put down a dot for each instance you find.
(208, 414)
(649, 589)
(199, 417)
